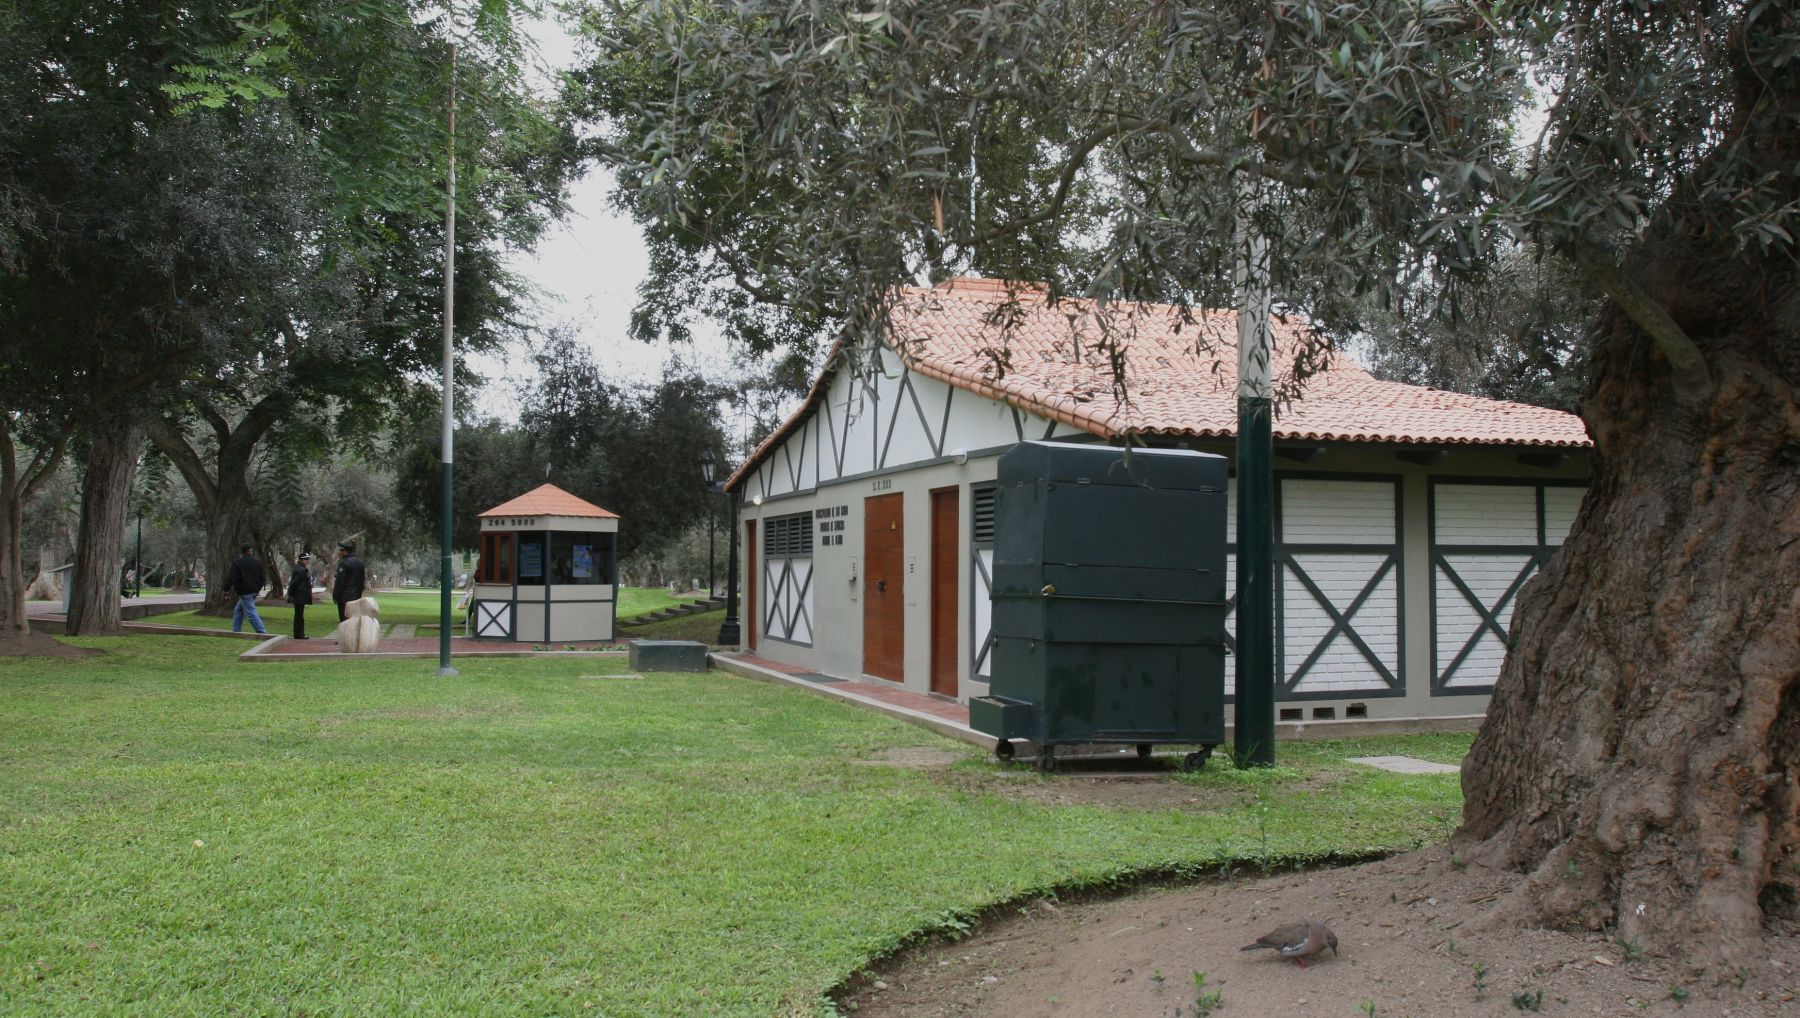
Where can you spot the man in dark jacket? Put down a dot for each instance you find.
(299, 593)
(347, 585)
(246, 579)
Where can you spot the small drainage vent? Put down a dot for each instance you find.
(1293, 714)
(1357, 710)
(1324, 713)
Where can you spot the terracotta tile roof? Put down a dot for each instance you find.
(1181, 376)
(548, 500)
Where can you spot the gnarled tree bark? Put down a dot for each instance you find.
(1641, 757)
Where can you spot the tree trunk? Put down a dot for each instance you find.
(113, 450)
(13, 621)
(225, 534)
(1641, 755)
(44, 585)
(18, 484)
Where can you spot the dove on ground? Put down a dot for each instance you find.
(1298, 941)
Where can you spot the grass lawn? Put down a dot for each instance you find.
(703, 627)
(185, 834)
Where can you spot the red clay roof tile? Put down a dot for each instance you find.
(1180, 374)
(549, 500)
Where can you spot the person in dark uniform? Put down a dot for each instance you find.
(347, 585)
(299, 593)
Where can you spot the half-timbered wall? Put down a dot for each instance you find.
(1487, 539)
(786, 601)
(1339, 613)
(891, 420)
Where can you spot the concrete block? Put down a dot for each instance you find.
(667, 655)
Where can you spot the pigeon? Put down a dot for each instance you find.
(1298, 941)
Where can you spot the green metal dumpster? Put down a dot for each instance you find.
(1108, 600)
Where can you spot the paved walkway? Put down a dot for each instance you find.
(129, 607)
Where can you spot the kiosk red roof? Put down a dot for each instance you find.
(549, 500)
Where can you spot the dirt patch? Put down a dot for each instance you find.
(1411, 933)
(35, 644)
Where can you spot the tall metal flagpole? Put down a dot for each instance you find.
(1253, 723)
(446, 581)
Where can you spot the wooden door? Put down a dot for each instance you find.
(884, 588)
(944, 559)
(751, 571)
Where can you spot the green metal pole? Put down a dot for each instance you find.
(446, 580)
(1253, 743)
(1253, 737)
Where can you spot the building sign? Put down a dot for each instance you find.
(831, 524)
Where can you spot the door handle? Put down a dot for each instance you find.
(881, 586)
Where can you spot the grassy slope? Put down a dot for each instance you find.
(528, 839)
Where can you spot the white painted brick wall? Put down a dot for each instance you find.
(1560, 507)
(1337, 512)
(1488, 577)
(984, 609)
(1485, 514)
(1342, 667)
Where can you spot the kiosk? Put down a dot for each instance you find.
(548, 571)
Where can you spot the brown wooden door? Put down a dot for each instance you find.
(751, 571)
(944, 559)
(884, 588)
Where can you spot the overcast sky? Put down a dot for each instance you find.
(588, 268)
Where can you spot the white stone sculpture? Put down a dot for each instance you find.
(360, 632)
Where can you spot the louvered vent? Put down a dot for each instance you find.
(788, 536)
(983, 530)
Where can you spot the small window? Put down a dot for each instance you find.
(1324, 713)
(495, 565)
(1293, 714)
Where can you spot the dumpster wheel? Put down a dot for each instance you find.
(1003, 749)
(1047, 760)
(1144, 749)
(1197, 761)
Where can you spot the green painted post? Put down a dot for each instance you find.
(446, 578)
(1253, 736)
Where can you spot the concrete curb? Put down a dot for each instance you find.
(266, 651)
(948, 729)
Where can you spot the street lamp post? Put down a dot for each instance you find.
(708, 470)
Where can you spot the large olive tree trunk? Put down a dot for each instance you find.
(1641, 756)
(113, 451)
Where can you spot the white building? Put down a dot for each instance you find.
(1407, 517)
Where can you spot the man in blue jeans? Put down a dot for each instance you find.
(246, 580)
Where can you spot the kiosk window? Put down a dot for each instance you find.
(577, 558)
(496, 559)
